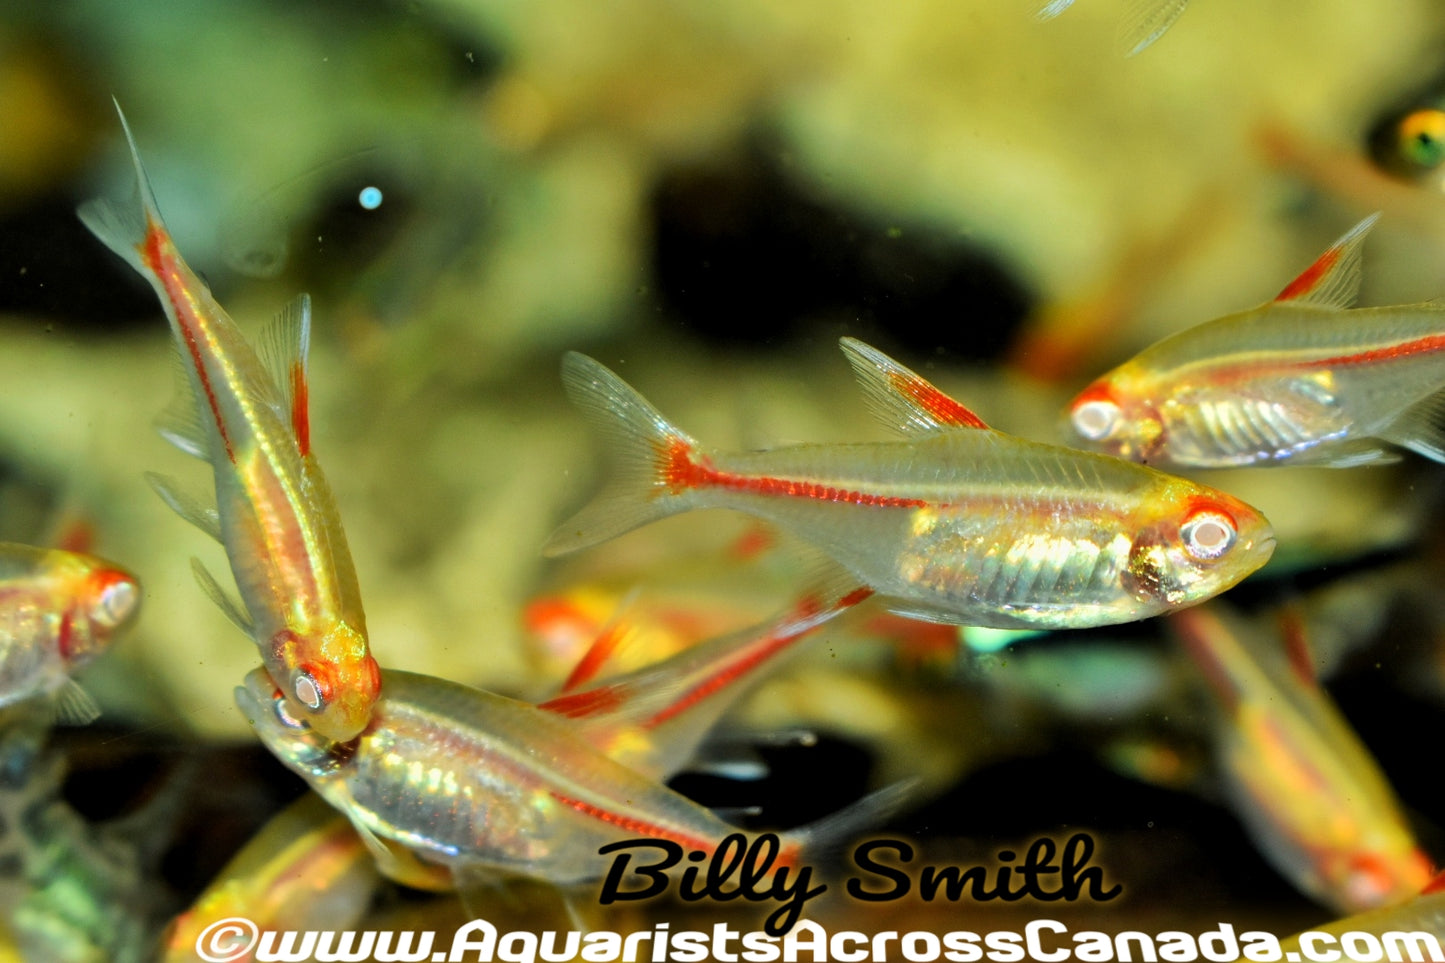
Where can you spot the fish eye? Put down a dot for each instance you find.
(115, 597)
(1420, 138)
(307, 690)
(117, 601)
(1207, 534)
(1095, 420)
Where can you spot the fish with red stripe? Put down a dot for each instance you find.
(956, 523)
(273, 509)
(452, 786)
(1304, 379)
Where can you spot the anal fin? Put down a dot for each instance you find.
(1420, 428)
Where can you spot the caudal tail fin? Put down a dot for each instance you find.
(826, 838)
(651, 458)
(124, 227)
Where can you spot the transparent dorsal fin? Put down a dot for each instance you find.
(228, 606)
(285, 349)
(901, 399)
(198, 511)
(1333, 280)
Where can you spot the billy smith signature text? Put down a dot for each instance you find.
(738, 869)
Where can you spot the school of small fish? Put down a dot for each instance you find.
(952, 528)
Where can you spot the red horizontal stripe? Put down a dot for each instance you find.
(681, 473)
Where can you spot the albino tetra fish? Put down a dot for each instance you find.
(305, 870)
(274, 511)
(58, 610)
(1303, 379)
(958, 523)
(455, 785)
(1309, 791)
(1145, 22)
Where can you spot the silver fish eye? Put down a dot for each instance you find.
(1207, 535)
(307, 692)
(117, 601)
(1096, 419)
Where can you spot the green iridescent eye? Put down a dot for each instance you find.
(1420, 138)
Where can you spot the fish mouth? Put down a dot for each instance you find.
(253, 697)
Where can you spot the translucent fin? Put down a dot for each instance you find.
(228, 606)
(193, 509)
(124, 229)
(397, 863)
(829, 835)
(1146, 22)
(74, 706)
(738, 762)
(284, 350)
(653, 719)
(1421, 428)
(613, 638)
(1333, 280)
(644, 447)
(901, 399)
(1053, 8)
(180, 422)
(1354, 453)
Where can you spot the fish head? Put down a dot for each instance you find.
(1356, 881)
(1117, 415)
(104, 600)
(1194, 542)
(290, 739)
(329, 678)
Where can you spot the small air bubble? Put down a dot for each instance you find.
(370, 198)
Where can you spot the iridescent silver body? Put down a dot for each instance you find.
(1286, 383)
(956, 524)
(1009, 534)
(466, 779)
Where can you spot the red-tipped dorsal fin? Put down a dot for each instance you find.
(1435, 885)
(300, 413)
(613, 635)
(285, 348)
(1334, 278)
(902, 399)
